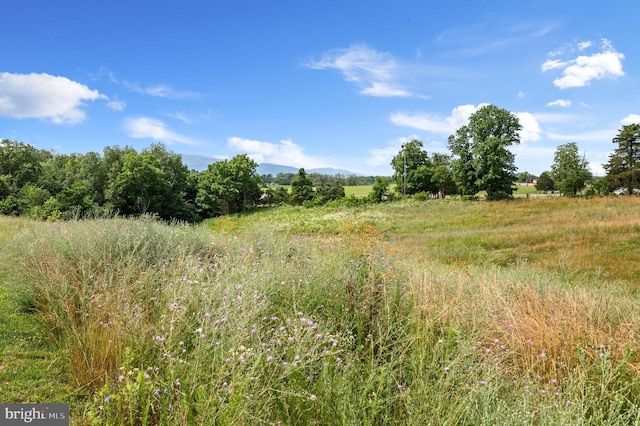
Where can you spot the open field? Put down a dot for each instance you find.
(434, 312)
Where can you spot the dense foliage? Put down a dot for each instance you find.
(155, 181)
(482, 160)
(623, 169)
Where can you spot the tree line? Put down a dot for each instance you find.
(39, 184)
(480, 160)
(155, 181)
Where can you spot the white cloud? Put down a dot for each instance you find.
(630, 119)
(584, 45)
(375, 72)
(530, 128)
(431, 123)
(44, 96)
(553, 64)
(560, 103)
(579, 72)
(160, 91)
(116, 105)
(285, 152)
(150, 128)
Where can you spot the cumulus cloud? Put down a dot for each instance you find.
(436, 124)
(284, 152)
(150, 128)
(44, 96)
(560, 103)
(579, 72)
(375, 72)
(530, 128)
(631, 119)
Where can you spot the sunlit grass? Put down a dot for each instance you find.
(434, 312)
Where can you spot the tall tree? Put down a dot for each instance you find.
(409, 159)
(623, 168)
(139, 186)
(301, 188)
(569, 171)
(482, 160)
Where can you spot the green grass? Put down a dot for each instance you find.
(434, 312)
(358, 191)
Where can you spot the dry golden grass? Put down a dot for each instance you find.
(595, 238)
(535, 326)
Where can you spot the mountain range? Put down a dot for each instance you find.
(200, 163)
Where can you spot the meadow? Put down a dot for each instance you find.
(412, 312)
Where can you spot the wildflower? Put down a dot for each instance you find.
(177, 382)
(107, 399)
(482, 383)
(120, 378)
(312, 397)
(198, 330)
(269, 358)
(399, 386)
(207, 315)
(156, 392)
(446, 369)
(334, 343)
(147, 377)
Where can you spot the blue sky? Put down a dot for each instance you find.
(316, 83)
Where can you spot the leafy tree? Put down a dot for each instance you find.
(623, 168)
(275, 195)
(328, 192)
(139, 186)
(545, 182)
(178, 201)
(482, 160)
(569, 171)
(229, 186)
(442, 178)
(380, 191)
(525, 176)
(20, 164)
(410, 158)
(301, 188)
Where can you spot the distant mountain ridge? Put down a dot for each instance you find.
(200, 163)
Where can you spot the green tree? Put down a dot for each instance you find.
(545, 182)
(330, 191)
(569, 172)
(139, 186)
(20, 164)
(229, 186)
(623, 168)
(178, 202)
(301, 188)
(482, 160)
(442, 178)
(380, 191)
(409, 159)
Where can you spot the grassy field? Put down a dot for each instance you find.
(432, 312)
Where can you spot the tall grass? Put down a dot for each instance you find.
(233, 323)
